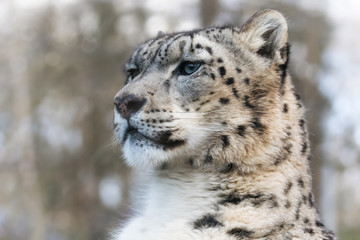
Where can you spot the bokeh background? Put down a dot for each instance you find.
(61, 64)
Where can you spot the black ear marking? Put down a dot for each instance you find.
(282, 68)
(266, 50)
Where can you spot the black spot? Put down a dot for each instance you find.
(272, 201)
(225, 140)
(229, 81)
(167, 84)
(224, 123)
(247, 81)
(311, 199)
(284, 154)
(281, 225)
(238, 70)
(212, 75)
(227, 168)
(247, 103)
(285, 108)
(220, 60)
(198, 46)
(278, 160)
(319, 224)
(297, 96)
(209, 50)
(301, 183)
(235, 92)
(207, 221)
(288, 187)
(302, 124)
(240, 232)
(288, 204)
(208, 159)
(204, 102)
(309, 231)
(306, 220)
(231, 198)
(241, 130)
(297, 213)
(154, 120)
(304, 147)
(224, 100)
(222, 71)
(258, 126)
(304, 198)
(211, 93)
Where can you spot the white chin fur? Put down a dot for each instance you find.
(147, 156)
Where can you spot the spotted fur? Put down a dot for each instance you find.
(226, 145)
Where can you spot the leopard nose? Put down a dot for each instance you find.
(128, 105)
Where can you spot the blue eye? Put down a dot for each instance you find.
(188, 68)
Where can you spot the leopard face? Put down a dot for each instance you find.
(211, 96)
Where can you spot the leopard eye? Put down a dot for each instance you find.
(188, 68)
(132, 73)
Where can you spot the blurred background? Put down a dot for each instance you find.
(61, 64)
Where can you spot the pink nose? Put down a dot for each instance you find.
(128, 105)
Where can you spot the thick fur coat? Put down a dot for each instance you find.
(214, 115)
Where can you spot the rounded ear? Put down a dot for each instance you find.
(265, 33)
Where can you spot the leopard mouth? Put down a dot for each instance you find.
(161, 140)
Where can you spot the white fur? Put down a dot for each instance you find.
(172, 203)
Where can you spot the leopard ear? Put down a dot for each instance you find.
(265, 33)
